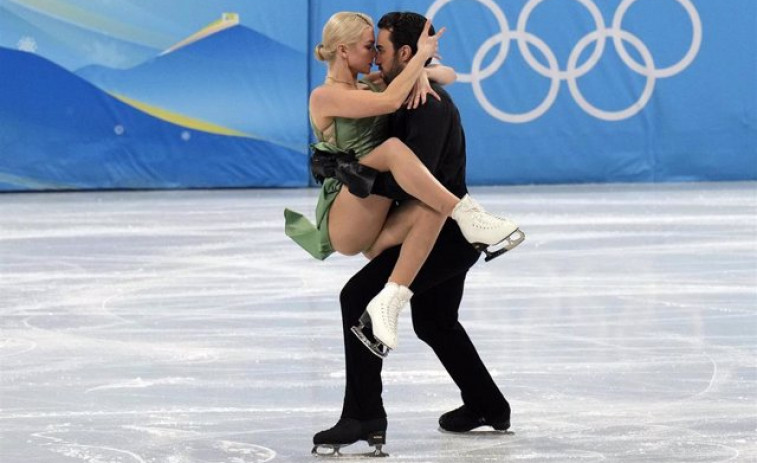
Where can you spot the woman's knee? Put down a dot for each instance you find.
(394, 144)
(385, 155)
(394, 147)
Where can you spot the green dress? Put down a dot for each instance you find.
(361, 135)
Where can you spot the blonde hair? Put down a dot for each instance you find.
(343, 28)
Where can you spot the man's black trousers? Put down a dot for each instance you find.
(438, 291)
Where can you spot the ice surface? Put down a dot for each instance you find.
(183, 326)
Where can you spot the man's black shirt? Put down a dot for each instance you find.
(434, 132)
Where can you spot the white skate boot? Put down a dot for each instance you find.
(483, 229)
(381, 315)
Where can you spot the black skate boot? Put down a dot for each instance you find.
(348, 431)
(464, 419)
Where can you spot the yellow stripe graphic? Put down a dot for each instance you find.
(179, 119)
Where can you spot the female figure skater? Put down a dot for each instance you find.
(349, 115)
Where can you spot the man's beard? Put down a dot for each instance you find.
(390, 74)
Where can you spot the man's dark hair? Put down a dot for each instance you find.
(405, 28)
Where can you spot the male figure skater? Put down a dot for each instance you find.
(434, 132)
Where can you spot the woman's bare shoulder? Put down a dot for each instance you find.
(322, 92)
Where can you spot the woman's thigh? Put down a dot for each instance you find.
(379, 157)
(354, 223)
(408, 215)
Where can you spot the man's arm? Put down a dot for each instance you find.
(424, 131)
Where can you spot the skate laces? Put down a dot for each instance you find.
(475, 206)
(399, 297)
(488, 220)
(483, 219)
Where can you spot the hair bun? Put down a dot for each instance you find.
(319, 52)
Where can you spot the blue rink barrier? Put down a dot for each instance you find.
(551, 91)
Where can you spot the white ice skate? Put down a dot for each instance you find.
(484, 230)
(382, 315)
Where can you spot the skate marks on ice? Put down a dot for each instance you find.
(10, 347)
(541, 441)
(55, 441)
(140, 383)
(146, 444)
(177, 327)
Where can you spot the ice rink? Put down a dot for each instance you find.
(184, 326)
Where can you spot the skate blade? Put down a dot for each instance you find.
(326, 450)
(487, 431)
(377, 348)
(333, 451)
(507, 244)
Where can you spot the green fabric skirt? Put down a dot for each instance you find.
(314, 238)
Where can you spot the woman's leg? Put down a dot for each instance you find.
(354, 223)
(479, 227)
(411, 174)
(416, 227)
(395, 229)
(357, 224)
(353, 228)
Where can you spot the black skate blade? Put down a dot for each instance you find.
(333, 451)
(508, 244)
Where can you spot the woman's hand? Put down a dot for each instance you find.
(420, 91)
(428, 46)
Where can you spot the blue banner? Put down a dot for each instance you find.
(562, 91)
(139, 94)
(195, 94)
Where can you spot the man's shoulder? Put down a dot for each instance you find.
(442, 91)
(434, 107)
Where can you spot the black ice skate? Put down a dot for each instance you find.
(464, 419)
(348, 431)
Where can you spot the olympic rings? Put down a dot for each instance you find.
(573, 71)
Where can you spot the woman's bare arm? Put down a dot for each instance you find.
(332, 101)
(441, 74)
